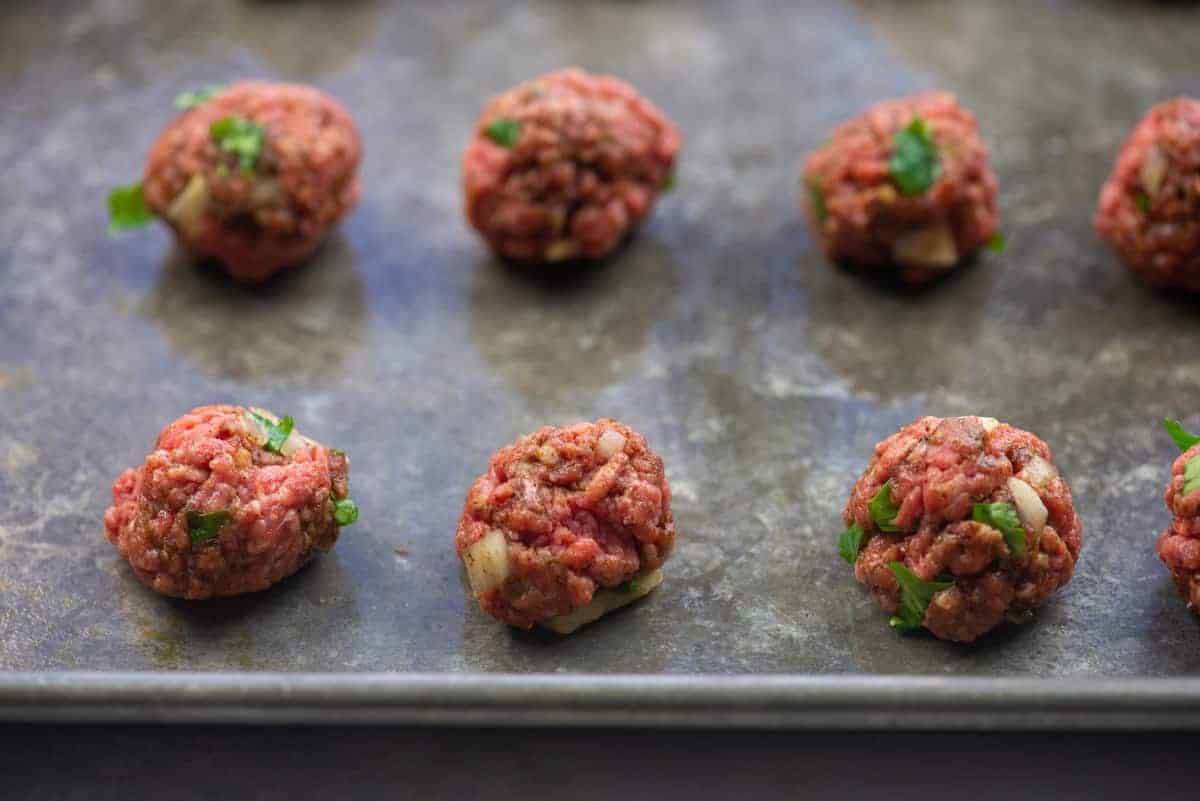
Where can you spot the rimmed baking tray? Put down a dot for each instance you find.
(763, 375)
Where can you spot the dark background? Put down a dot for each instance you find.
(353, 764)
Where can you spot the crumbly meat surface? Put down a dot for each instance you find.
(864, 219)
(578, 509)
(590, 159)
(1179, 545)
(213, 460)
(1149, 209)
(939, 469)
(275, 216)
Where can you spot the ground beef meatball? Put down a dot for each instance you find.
(904, 185)
(1179, 545)
(567, 524)
(563, 166)
(1149, 208)
(963, 522)
(231, 500)
(256, 221)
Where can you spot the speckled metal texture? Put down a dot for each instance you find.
(760, 373)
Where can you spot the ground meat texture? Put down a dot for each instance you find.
(280, 506)
(274, 217)
(1179, 545)
(1149, 209)
(861, 217)
(939, 469)
(563, 517)
(589, 159)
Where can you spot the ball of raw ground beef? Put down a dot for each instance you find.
(959, 523)
(564, 166)
(904, 185)
(231, 500)
(566, 525)
(255, 218)
(1179, 545)
(1149, 209)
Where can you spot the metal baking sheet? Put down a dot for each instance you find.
(763, 375)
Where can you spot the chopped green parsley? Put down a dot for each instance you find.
(816, 195)
(915, 164)
(1183, 439)
(345, 511)
(915, 596)
(850, 542)
(203, 526)
(1002, 517)
(127, 208)
(277, 433)
(241, 137)
(504, 131)
(191, 99)
(882, 510)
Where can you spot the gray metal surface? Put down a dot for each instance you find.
(762, 375)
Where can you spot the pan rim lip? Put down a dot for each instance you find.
(557, 700)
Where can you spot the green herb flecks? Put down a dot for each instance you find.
(191, 99)
(630, 587)
(1191, 476)
(816, 195)
(1183, 439)
(850, 542)
(998, 243)
(915, 596)
(1002, 517)
(203, 526)
(1142, 201)
(504, 131)
(669, 182)
(345, 512)
(882, 510)
(915, 164)
(241, 137)
(127, 208)
(277, 433)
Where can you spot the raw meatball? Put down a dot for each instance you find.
(1149, 209)
(962, 522)
(275, 214)
(565, 165)
(905, 185)
(1179, 545)
(566, 525)
(230, 501)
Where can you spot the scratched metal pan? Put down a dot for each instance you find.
(763, 375)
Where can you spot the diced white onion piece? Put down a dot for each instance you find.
(610, 444)
(932, 247)
(561, 250)
(1153, 171)
(988, 423)
(1038, 472)
(264, 191)
(260, 434)
(487, 561)
(295, 438)
(189, 205)
(1030, 508)
(603, 602)
(295, 441)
